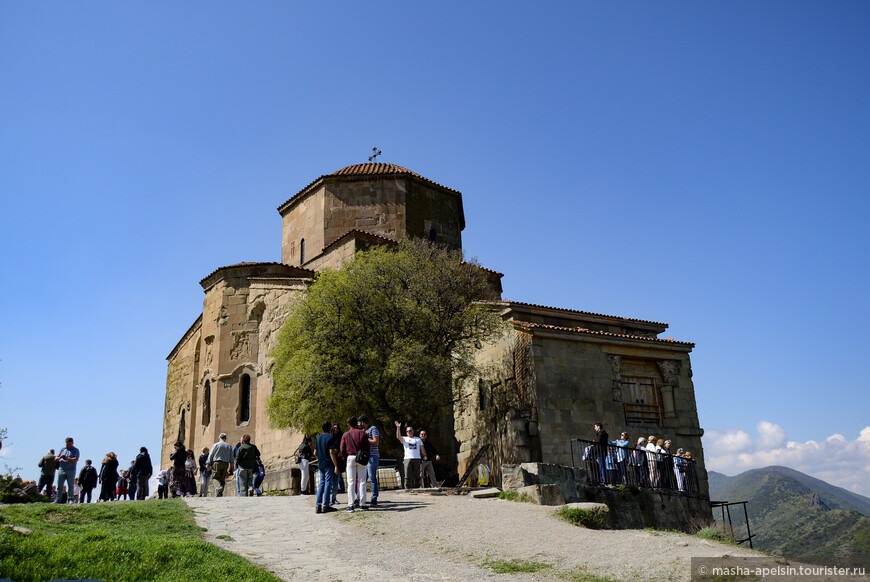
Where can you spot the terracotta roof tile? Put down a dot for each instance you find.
(484, 268)
(378, 169)
(508, 302)
(354, 233)
(256, 264)
(381, 169)
(584, 331)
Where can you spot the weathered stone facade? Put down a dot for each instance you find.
(546, 380)
(556, 372)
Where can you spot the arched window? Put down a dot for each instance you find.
(182, 427)
(481, 392)
(433, 236)
(245, 399)
(302, 252)
(206, 404)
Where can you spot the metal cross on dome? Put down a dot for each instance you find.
(375, 153)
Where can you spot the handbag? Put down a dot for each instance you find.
(362, 457)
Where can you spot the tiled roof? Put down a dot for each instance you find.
(584, 331)
(508, 302)
(379, 169)
(257, 264)
(353, 234)
(483, 268)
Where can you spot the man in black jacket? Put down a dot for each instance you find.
(142, 470)
(87, 481)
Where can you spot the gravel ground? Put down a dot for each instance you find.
(423, 537)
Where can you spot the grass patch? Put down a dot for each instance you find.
(716, 535)
(515, 566)
(582, 574)
(130, 541)
(226, 538)
(279, 493)
(586, 517)
(515, 496)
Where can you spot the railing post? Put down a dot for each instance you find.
(571, 446)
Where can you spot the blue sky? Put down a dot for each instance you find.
(705, 165)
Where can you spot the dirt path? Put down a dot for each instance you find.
(422, 537)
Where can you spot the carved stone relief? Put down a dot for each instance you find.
(241, 345)
(209, 350)
(615, 364)
(670, 370)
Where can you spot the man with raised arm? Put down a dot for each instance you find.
(412, 445)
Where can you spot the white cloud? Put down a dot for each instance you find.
(772, 435)
(836, 459)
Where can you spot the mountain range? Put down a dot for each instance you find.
(797, 516)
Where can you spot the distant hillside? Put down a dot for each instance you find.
(800, 517)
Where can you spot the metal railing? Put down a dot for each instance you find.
(635, 467)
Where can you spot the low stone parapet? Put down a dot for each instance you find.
(629, 507)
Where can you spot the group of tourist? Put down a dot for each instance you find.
(356, 452)
(131, 483)
(217, 464)
(649, 462)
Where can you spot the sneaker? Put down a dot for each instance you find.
(374, 502)
(364, 508)
(318, 510)
(327, 509)
(356, 503)
(349, 509)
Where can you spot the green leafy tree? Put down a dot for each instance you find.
(384, 336)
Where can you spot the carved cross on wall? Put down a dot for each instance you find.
(375, 153)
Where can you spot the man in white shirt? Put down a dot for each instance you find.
(412, 445)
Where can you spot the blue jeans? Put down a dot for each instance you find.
(69, 478)
(246, 481)
(337, 486)
(324, 488)
(373, 474)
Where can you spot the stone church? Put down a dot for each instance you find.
(552, 375)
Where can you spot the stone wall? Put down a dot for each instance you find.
(629, 507)
(537, 391)
(242, 314)
(498, 407)
(304, 221)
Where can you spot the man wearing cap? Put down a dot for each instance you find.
(220, 463)
(66, 471)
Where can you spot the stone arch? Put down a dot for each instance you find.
(206, 403)
(182, 425)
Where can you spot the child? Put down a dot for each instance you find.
(122, 486)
